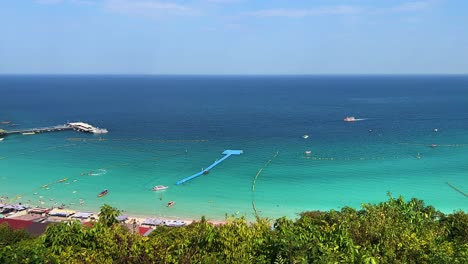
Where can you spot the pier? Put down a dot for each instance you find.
(78, 126)
(227, 154)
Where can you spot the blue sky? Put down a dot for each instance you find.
(233, 36)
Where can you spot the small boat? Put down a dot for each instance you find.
(436, 130)
(305, 136)
(170, 204)
(160, 187)
(349, 119)
(1, 139)
(101, 194)
(433, 146)
(6, 122)
(206, 172)
(28, 133)
(308, 152)
(62, 180)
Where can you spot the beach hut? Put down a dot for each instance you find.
(122, 218)
(38, 210)
(82, 215)
(174, 223)
(153, 222)
(61, 212)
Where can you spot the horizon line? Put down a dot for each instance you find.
(234, 75)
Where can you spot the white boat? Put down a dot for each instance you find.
(28, 133)
(349, 119)
(98, 130)
(160, 187)
(305, 136)
(1, 139)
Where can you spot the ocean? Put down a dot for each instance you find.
(411, 140)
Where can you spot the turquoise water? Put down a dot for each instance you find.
(163, 129)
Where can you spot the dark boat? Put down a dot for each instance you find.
(101, 194)
(171, 203)
(205, 172)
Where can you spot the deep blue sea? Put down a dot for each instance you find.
(165, 128)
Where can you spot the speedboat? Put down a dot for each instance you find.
(159, 188)
(349, 119)
(1, 139)
(307, 152)
(101, 194)
(305, 136)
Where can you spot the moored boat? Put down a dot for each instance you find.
(160, 187)
(101, 194)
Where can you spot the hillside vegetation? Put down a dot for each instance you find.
(394, 231)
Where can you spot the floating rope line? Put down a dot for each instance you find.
(141, 139)
(435, 145)
(353, 158)
(255, 180)
(97, 172)
(39, 150)
(456, 189)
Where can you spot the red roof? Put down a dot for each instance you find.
(16, 223)
(142, 230)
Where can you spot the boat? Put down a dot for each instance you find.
(205, 172)
(6, 122)
(159, 188)
(305, 136)
(308, 152)
(170, 204)
(101, 194)
(62, 180)
(1, 139)
(28, 133)
(349, 119)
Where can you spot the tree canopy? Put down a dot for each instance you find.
(394, 231)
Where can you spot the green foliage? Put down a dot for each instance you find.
(394, 231)
(8, 236)
(108, 215)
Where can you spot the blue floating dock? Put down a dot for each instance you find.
(227, 154)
